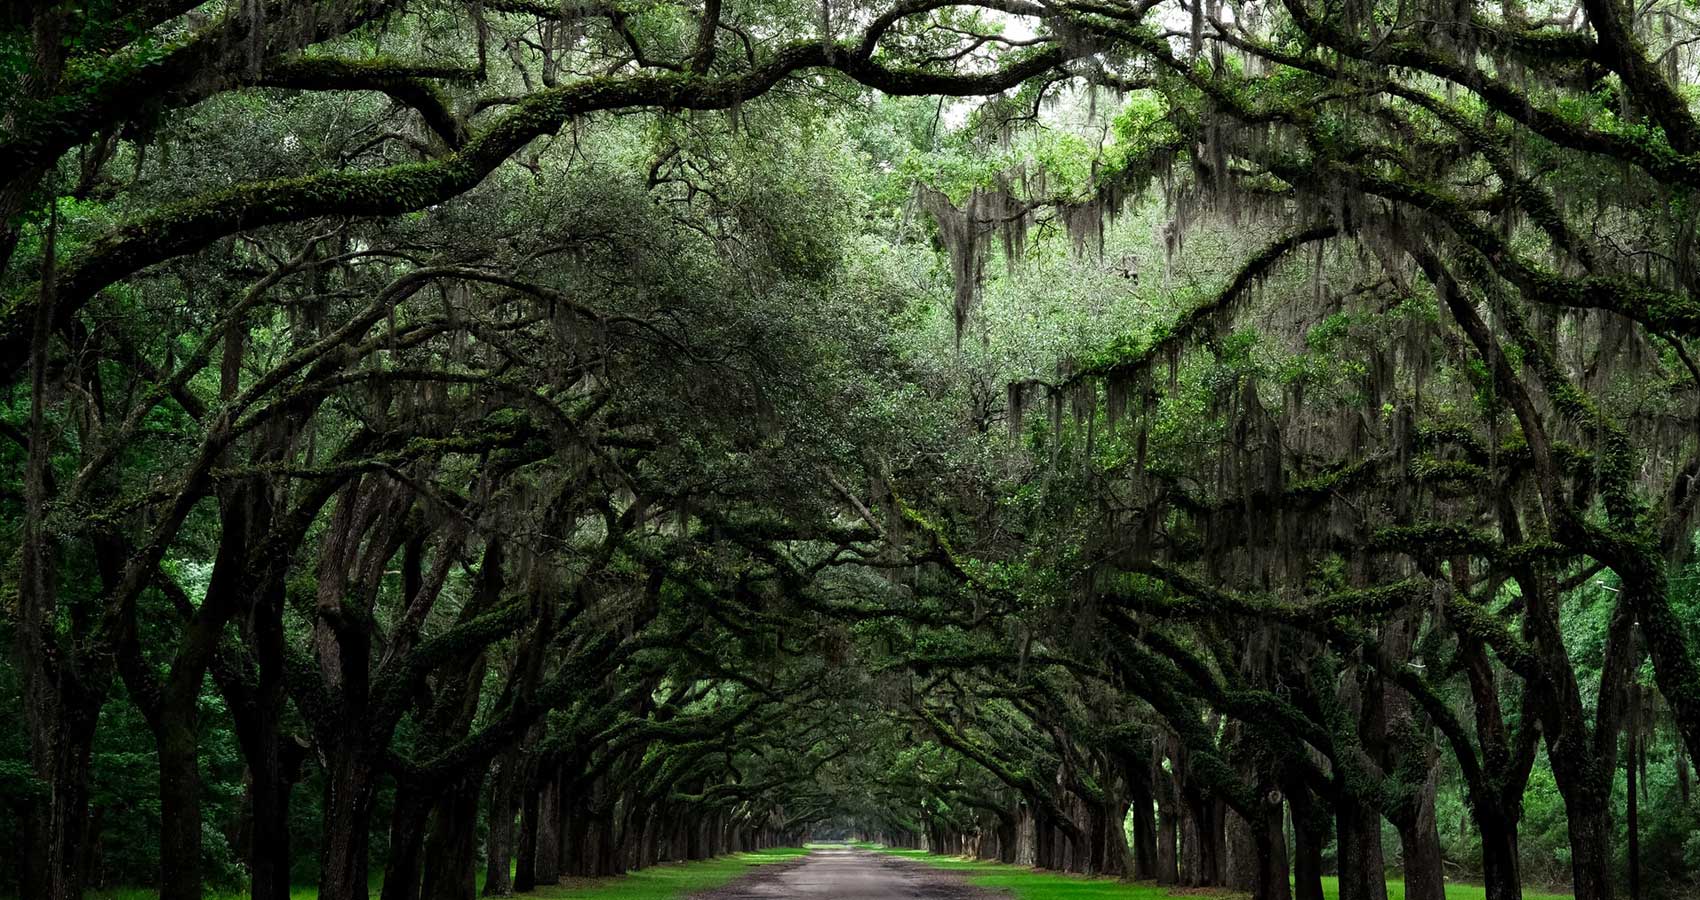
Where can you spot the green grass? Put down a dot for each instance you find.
(301, 893)
(1032, 884)
(1028, 883)
(1455, 891)
(664, 882)
(669, 880)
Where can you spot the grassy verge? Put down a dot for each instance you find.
(669, 880)
(300, 893)
(663, 882)
(1032, 884)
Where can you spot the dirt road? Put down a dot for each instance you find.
(849, 875)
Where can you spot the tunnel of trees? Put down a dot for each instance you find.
(452, 445)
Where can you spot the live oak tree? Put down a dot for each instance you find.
(1090, 434)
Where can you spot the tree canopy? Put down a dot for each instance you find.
(453, 445)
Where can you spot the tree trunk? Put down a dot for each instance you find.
(1097, 838)
(271, 783)
(1241, 871)
(1633, 812)
(451, 851)
(1362, 867)
(349, 790)
(1191, 851)
(407, 842)
(53, 861)
(1310, 835)
(1589, 816)
(1168, 846)
(1144, 837)
(578, 861)
(525, 877)
(548, 852)
(274, 761)
(61, 710)
(179, 807)
(498, 846)
(1270, 879)
(565, 841)
(1117, 854)
(1044, 842)
(608, 847)
(1501, 870)
(1419, 844)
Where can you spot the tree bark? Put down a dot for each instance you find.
(451, 850)
(1632, 813)
(1419, 843)
(55, 851)
(407, 844)
(498, 846)
(1362, 866)
(1310, 835)
(1144, 834)
(1270, 880)
(1501, 870)
(350, 786)
(179, 804)
(548, 853)
(1168, 846)
(1243, 854)
(525, 867)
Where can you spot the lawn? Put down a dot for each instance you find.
(663, 882)
(1031, 884)
(669, 880)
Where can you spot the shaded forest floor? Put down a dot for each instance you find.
(661, 882)
(676, 880)
(1033, 884)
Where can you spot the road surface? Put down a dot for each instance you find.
(849, 875)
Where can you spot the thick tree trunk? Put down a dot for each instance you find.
(407, 843)
(1310, 835)
(1168, 846)
(61, 709)
(1271, 878)
(1589, 816)
(1362, 866)
(548, 858)
(1202, 842)
(179, 805)
(1501, 871)
(1097, 838)
(498, 846)
(1419, 844)
(1241, 871)
(274, 761)
(1117, 854)
(1632, 820)
(525, 871)
(1191, 847)
(54, 856)
(580, 862)
(1044, 842)
(451, 851)
(349, 789)
(269, 860)
(608, 846)
(694, 844)
(565, 837)
(1144, 837)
